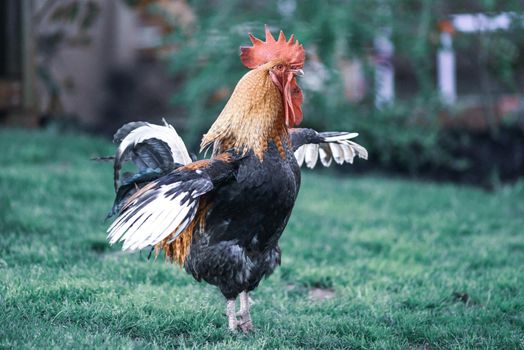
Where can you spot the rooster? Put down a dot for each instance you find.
(221, 218)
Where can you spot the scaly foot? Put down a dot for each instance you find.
(245, 323)
(231, 315)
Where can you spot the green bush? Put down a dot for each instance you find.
(407, 140)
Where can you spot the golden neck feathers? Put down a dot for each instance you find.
(253, 116)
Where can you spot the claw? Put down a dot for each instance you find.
(246, 326)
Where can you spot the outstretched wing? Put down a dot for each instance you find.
(165, 207)
(153, 148)
(310, 145)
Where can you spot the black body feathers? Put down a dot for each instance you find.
(246, 217)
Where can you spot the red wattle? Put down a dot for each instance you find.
(294, 101)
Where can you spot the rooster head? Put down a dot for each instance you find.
(283, 59)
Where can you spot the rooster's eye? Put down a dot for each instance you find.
(279, 67)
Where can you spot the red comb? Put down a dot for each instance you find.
(265, 51)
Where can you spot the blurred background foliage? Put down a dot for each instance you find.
(416, 135)
(475, 140)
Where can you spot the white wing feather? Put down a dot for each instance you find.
(325, 154)
(337, 152)
(153, 222)
(341, 137)
(300, 153)
(311, 155)
(338, 148)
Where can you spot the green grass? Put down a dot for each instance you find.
(412, 265)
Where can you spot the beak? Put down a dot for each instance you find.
(298, 72)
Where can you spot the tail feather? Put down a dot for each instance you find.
(104, 159)
(131, 184)
(125, 129)
(150, 147)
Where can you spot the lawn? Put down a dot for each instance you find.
(406, 265)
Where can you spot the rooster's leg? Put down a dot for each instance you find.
(231, 315)
(245, 317)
